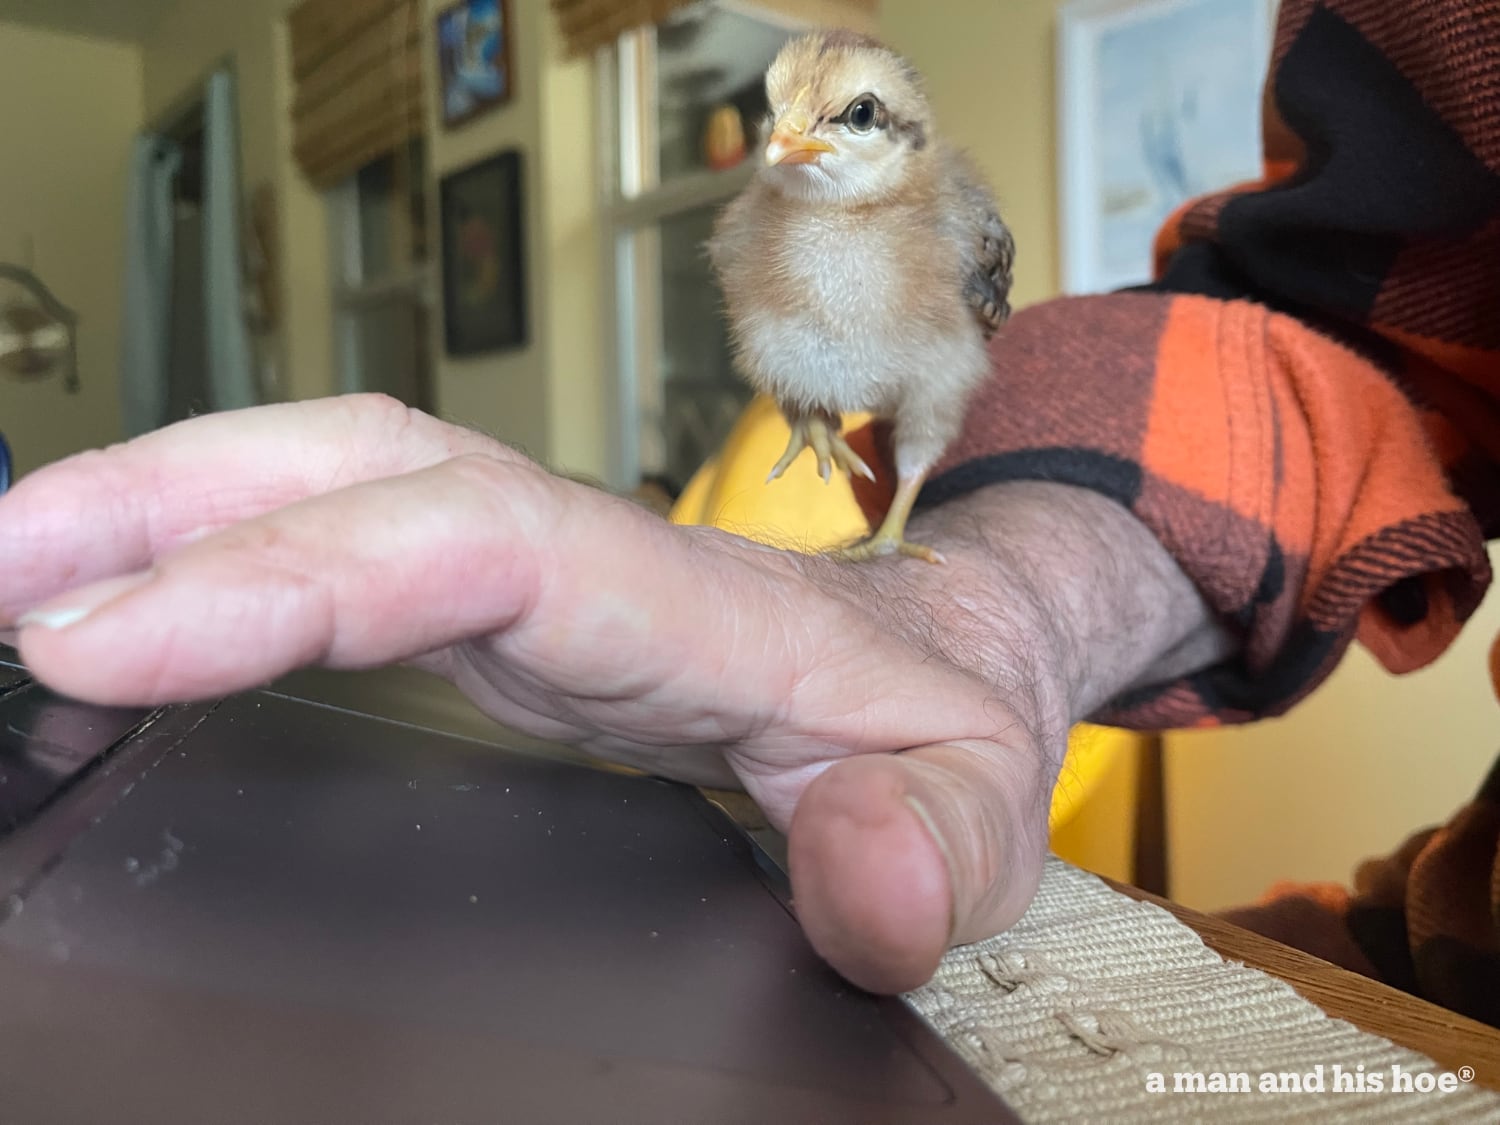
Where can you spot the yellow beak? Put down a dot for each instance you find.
(790, 144)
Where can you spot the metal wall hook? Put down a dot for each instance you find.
(54, 308)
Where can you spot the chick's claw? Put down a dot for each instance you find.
(822, 436)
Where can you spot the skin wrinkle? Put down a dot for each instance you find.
(492, 476)
(784, 703)
(543, 704)
(803, 662)
(995, 885)
(277, 554)
(936, 834)
(313, 598)
(751, 648)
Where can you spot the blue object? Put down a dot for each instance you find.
(4, 464)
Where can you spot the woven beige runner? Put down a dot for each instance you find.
(1096, 1007)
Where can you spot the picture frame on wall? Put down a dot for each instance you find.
(1158, 102)
(483, 245)
(475, 65)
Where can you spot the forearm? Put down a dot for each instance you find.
(1052, 589)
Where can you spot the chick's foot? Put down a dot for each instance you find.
(890, 536)
(820, 433)
(880, 546)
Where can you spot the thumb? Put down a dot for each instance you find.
(896, 858)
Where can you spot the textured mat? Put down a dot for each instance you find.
(1071, 1013)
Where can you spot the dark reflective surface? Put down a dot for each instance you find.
(290, 913)
(46, 742)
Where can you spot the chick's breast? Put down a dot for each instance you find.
(841, 310)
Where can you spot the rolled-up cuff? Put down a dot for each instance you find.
(1287, 475)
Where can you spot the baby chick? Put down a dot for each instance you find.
(864, 268)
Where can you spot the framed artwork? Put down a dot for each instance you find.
(1158, 102)
(484, 275)
(475, 73)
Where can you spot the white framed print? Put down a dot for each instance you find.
(1158, 101)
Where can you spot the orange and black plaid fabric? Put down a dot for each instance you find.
(1305, 407)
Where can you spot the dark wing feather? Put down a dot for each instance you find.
(991, 250)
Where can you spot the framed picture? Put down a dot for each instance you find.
(1158, 102)
(474, 58)
(484, 275)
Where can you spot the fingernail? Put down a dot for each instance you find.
(76, 605)
(928, 823)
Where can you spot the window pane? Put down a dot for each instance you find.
(701, 394)
(377, 216)
(389, 347)
(710, 59)
(392, 232)
(417, 203)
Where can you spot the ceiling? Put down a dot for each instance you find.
(126, 20)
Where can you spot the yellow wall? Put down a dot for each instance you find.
(1368, 760)
(72, 106)
(990, 74)
(580, 410)
(547, 398)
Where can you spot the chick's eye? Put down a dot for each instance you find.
(862, 115)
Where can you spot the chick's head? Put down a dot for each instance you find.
(848, 119)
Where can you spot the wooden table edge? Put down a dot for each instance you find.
(1448, 1038)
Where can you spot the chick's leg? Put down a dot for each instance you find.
(890, 536)
(820, 432)
(925, 424)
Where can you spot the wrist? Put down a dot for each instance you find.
(1056, 596)
(980, 614)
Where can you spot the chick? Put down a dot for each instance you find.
(863, 268)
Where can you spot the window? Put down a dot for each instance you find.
(668, 88)
(382, 280)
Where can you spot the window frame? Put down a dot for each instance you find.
(634, 203)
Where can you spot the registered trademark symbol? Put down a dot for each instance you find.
(1466, 1074)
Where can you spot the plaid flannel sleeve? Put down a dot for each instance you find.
(1288, 477)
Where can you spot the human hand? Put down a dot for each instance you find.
(217, 554)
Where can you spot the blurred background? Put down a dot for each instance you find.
(495, 210)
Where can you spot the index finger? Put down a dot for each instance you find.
(115, 511)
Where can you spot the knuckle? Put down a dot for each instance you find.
(513, 493)
(490, 472)
(377, 412)
(376, 404)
